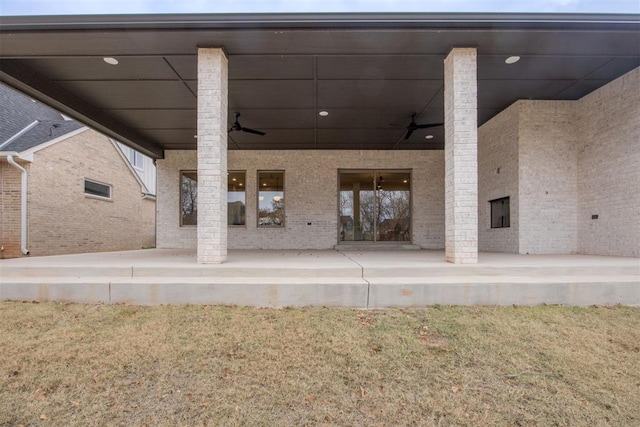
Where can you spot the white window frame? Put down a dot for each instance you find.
(137, 160)
(96, 196)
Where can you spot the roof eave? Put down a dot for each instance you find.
(316, 20)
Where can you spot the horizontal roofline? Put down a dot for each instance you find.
(317, 20)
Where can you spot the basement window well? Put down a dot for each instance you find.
(500, 215)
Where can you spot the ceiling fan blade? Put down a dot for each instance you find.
(409, 132)
(431, 125)
(257, 132)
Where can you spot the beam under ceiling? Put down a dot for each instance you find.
(22, 78)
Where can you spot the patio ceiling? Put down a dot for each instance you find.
(370, 72)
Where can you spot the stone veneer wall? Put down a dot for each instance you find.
(311, 195)
(498, 167)
(609, 168)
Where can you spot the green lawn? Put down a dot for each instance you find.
(84, 365)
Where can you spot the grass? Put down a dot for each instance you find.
(96, 365)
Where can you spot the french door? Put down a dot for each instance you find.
(374, 206)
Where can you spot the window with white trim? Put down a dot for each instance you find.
(97, 189)
(136, 159)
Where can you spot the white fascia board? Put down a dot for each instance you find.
(18, 135)
(28, 154)
(116, 145)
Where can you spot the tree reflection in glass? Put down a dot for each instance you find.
(271, 199)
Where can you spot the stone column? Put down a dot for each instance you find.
(212, 156)
(461, 156)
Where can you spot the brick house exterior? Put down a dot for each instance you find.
(571, 169)
(547, 156)
(538, 156)
(59, 155)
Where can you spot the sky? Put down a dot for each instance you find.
(70, 7)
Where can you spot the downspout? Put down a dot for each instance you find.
(23, 208)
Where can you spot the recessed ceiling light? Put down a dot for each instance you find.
(111, 61)
(512, 60)
(264, 185)
(233, 179)
(404, 181)
(241, 184)
(428, 137)
(323, 113)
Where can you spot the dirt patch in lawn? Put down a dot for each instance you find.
(83, 365)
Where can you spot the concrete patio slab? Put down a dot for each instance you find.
(86, 290)
(507, 292)
(354, 278)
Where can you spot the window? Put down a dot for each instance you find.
(500, 213)
(236, 200)
(93, 188)
(136, 159)
(188, 198)
(271, 199)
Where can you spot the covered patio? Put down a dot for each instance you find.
(277, 138)
(467, 110)
(353, 278)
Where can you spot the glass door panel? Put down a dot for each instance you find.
(357, 203)
(393, 207)
(375, 206)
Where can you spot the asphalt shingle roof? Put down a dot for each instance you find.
(42, 132)
(17, 111)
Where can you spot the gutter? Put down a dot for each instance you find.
(23, 199)
(290, 21)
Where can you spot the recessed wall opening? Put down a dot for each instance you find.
(500, 213)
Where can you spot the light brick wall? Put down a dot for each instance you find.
(574, 159)
(63, 220)
(548, 196)
(169, 233)
(10, 198)
(534, 145)
(311, 195)
(212, 155)
(461, 157)
(609, 168)
(498, 168)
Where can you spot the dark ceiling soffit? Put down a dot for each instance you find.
(27, 81)
(321, 20)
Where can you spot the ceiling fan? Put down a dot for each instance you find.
(413, 126)
(237, 127)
